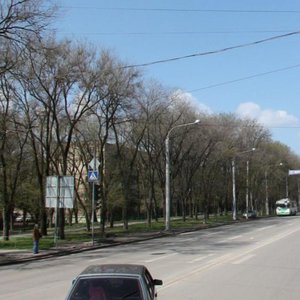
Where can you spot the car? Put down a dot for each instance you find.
(250, 215)
(114, 282)
(20, 218)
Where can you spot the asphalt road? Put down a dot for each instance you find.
(259, 259)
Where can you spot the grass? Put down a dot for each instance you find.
(78, 233)
(25, 243)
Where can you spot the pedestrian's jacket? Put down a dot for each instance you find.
(36, 234)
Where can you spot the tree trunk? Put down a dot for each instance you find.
(6, 217)
(61, 223)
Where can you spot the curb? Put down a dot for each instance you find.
(14, 259)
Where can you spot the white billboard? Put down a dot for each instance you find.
(60, 191)
(294, 172)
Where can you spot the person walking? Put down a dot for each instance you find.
(36, 235)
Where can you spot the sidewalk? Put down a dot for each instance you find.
(10, 257)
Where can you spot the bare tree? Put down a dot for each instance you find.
(57, 85)
(21, 21)
(154, 112)
(117, 91)
(12, 143)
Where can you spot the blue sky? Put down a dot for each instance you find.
(261, 81)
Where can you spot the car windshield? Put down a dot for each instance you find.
(107, 289)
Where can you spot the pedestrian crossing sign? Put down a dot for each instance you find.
(93, 176)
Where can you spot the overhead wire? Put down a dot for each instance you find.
(183, 9)
(196, 10)
(214, 51)
(184, 32)
(244, 78)
(288, 34)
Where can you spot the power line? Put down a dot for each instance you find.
(183, 10)
(250, 126)
(244, 78)
(214, 51)
(184, 32)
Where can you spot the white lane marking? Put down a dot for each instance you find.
(96, 259)
(264, 228)
(235, 237)
(243, 259)
(201, 258)
(189, 240)
(221, 242)
(210, 264)
(160, 257)
(228, 239)
(213, 233)
(197, 259)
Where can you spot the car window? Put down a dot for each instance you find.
(126, 288)
(107, 289)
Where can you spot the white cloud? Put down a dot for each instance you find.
(189, 98)
(267, 117)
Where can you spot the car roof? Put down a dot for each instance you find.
(131, 269)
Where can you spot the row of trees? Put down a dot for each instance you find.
(62, 103)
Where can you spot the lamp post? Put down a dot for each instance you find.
(168, 204)
(233, 184)
(267, 194)
(286, 184)
(247, 189)
(233, 190)
(270, 168)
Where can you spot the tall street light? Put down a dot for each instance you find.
(233, 183)
(286, 183)
(267, 193)
(168, 204)
(267, 187)
(247, 188)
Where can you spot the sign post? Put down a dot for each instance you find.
(59, 194)
(93, 176)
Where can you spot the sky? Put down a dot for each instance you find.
(232, 56)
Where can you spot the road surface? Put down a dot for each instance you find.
(259, 259)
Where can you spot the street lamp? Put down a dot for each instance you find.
(286, 184)
(267, 187)
(247, 188)
(168, 204)
(233, 184)
(267, 194)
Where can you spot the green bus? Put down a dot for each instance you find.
(286, 207)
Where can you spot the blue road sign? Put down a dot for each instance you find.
(93, 176)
